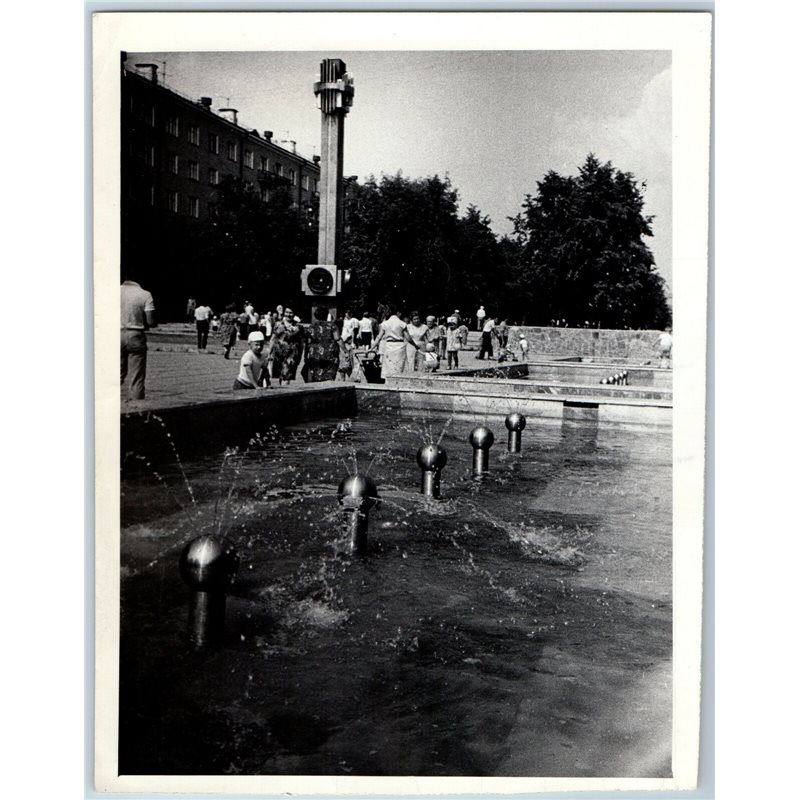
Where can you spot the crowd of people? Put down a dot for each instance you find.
(328, 349)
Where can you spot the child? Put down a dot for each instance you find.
(523, 346)
(253, 367)
(345, 369)
(431, 359)
(453, 342)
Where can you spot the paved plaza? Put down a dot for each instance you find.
(179, 374)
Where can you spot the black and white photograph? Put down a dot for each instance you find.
(400, 489)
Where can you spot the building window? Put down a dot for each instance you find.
(173, 127)
(233, 151)
(152, 195)
(213, 143)
(292, 177)
(264, 193)
(172, 202)
(248, 159)
(279, 170)
(305, 182)
(150, 155)
(173, 164)
(150, 116)
(194, 207)
(193, 134)
(264, 163)
(316, 185)
(213, 177)
(194, 170)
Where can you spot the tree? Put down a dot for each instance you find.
(406, 244)
(582, 252)
(251, 249)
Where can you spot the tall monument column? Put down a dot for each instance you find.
(335, 96)
(334, 93)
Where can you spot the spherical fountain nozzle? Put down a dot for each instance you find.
(481, 437)
(358, 494)
(207, 564)
(358, 487)
(432, 457)
(515, 421)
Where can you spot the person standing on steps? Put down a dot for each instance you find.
(480, 316)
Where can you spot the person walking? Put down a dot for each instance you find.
(501, 332)
(287, 348)
(321, 353)
(350, 328)
(191, 305)
(252, 318)
(486, 340)
(394, 336)
(202, 319)
(480, 316)
(365, 330)
(137, 315)
(416, 352)
(228, 329)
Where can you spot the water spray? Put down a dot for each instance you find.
(431, 460)
(358, 495)
(515, 422)
(208, 565)
(481, 439)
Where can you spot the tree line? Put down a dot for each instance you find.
(577, 253)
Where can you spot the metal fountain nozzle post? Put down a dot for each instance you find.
(208, 565)
(431, 459)
(481, 439)
(358, 495)
(515, 422)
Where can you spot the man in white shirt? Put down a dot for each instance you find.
(202, 319)
(486, 340)
(137, 314)
(365, 330)
(481, 316)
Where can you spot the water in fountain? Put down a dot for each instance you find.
(486, 634)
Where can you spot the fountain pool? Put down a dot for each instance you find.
(519, 626)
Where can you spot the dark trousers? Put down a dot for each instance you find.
(202, 333)
(486, 345)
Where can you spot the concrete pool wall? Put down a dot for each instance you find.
(200, 426)
(589, 342)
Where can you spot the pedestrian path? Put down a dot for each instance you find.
(178, 374)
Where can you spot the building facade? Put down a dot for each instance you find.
(175, 153)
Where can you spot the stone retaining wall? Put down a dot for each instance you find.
(587, 342)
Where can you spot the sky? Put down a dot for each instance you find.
(495, 122)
